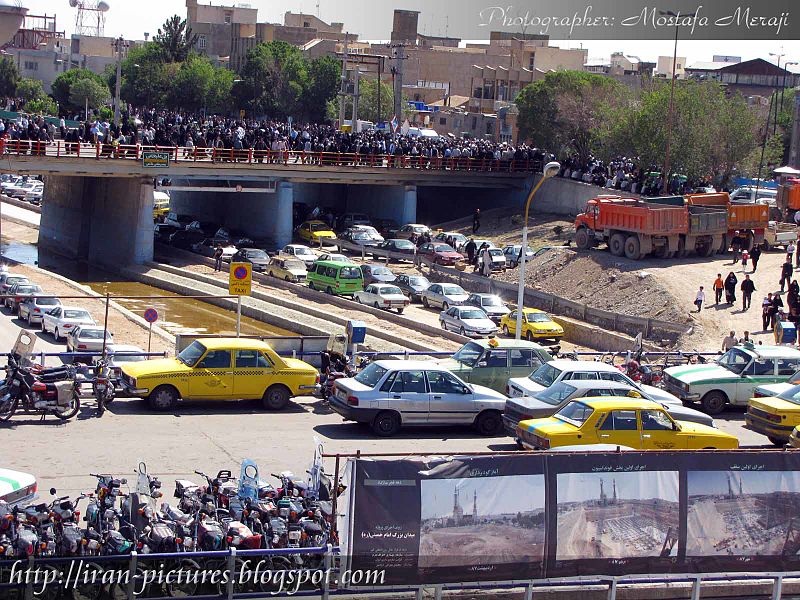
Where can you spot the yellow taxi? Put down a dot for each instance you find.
(536, 325)
(634, 422)
(794, 438)
(315, 232)
(776, 416)
(160, 206)
(220, 369)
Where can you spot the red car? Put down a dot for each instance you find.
(441, 254)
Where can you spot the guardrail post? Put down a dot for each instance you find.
(696, 588)
(29, 580)
(612, 590)
(231, 572)
(130, 593)
(529, 591)
(420, 593)
(777, 587)
(327, 563)
(438, 593)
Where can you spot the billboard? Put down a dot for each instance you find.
(531, 516)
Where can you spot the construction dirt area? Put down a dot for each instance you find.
(662, 289)
(485, 543)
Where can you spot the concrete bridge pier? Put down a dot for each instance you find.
(100, 220)
(395, 202)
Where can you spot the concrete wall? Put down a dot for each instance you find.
(397, 202)
(99, 220)
(565, 197)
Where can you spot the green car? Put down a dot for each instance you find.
(492, 362)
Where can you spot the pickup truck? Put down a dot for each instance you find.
(779, 234)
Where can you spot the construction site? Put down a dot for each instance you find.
(736, 522)
(614, 524)
(467, 537)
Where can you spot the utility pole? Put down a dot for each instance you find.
(779, 56)
(356, 79)
(343, 90)
(397, 78)
(119, 45)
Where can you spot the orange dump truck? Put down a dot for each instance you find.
(789, 197)
(663, 227)
(749, 220)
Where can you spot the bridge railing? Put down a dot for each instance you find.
(63, 149)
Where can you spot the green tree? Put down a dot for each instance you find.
(274, 79)
(30, 89)
(198, 84)
(367, 102)
(145, 77)
(62, 86)
(564, 110)
(44, 106)
(324, 73)
(9, 77)
(175, 39)
(87, 92)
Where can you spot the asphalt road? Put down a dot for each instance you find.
(210, 436)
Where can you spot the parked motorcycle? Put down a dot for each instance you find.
(103, 387)
(50, 391)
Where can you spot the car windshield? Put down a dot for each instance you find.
(442, 248)
(371, 375)
(360, 235)
(27, 289)
(303, 251)
(123, 357)
(389, 290)
(495, 252)
(294, 264)
(91, 334)
(538, 318)
(420, 281)
(491, 301)
(350, 273)
(257, 254)
(402, 244)
(192, 353)
(556, 394)
(76, 314)
(734, 360)
(545, 375)
(473, 314)
(319, 227)
(791, 395)
(468, 354)
(47, 301)
(452, 290)
(575, 413)
(381, 271)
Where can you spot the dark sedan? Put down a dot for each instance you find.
(258, 258)
(412, 285)
(441, 254)
(377, 274)
(401, 246)
(184, 239)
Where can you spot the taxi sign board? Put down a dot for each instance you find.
(241, 279)
(154, 160)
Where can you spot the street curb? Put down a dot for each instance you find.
(20, 204)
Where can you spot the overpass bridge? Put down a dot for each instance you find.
(99, 197)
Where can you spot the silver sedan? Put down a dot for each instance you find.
(467, 320)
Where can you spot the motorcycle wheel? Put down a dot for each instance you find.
(184, 589)
(86, 589)
(119, 591)
(8, 409)
(276, 563)
(70, 410)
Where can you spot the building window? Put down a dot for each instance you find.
(442, 120)
(228, 18)
(31, 65)
(474, 123)
(489, 127)
(202, 42)
(306, 24)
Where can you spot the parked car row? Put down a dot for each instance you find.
(22, 187)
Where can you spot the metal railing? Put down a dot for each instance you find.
(268, 158)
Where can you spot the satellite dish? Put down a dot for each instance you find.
(103, 6)
(73, 3)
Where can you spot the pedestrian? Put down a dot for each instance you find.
(730, 288)
(729, 341)
(786, 273)
(486, 259)
(718, 287)
(218, 258)
(748, 287)
(746, 339)
(736, 246)
(755, 255)
(766, 315)
(470, 247)
(775, 308)
(790, 248)
(745, 256)
(476, 220)
(699, 299)
(797, 253)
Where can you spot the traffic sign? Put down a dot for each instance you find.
(151, 315)
(241, 279)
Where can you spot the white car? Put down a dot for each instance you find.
(334, 257)
(444, 295)
(120, 355)
(389, 394)
(383, 295)
(776, 389)
(568, 370)
(20, 191)
(88, 338)
(17, 487)
(63, 319)
(9, 183)
(300, 251)
(35, 195)
(467, 320)
(491, 304)
(34, 307)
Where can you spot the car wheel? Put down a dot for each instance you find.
(425, 302)
(376, 305)
(311, 285)
(329, 291)
(43, 328)
(164, 397)
(286, 278)
(56, 334)
(276, 397)
(358, 299)
(400, 311)
(489, 423)
(462, 331)
(28, 318)
(529, 336)
(386, 424)
(714, 402)
(505, 331)
(445, 306)
(776, 442)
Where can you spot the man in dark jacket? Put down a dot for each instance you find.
(786, 273)
(476, 220)
(747, 287)
(755, 255)
(470, 249)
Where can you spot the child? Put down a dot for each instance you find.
(699, 299)
(745, 257)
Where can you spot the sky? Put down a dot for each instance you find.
(132, 18)
(496, 495)
(753, 482)
(579, 487)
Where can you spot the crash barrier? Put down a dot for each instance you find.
(552, 515)
(307, 346)
(36, 208)
(265, 158)
(628, 324)
(220, 574)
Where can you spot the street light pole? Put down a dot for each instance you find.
(550, 170)
(779, 56)
(665, 185)
(119, 44)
